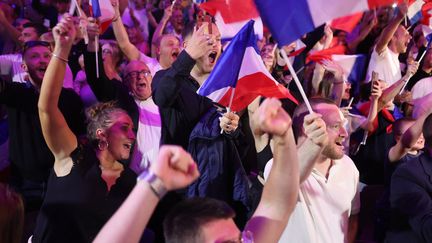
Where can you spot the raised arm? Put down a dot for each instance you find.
(166, 85)
(338, 86)
(391, 28)
(160, 29)
(281, 189)
(391, 92)
(58, 136)
(149, 11)
(409, 138)
(310, 148)
(376, 93)
(7, 29)
(176, 169)
(369, 21)
(130, 50)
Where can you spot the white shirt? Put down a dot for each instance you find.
(325, 205)
(386, 65)
(148, 136)
(152, 63)
(422, 88)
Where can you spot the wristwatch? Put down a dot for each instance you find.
(154, 182)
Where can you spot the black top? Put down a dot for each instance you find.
(174, 91)
(77, 205)
(370, 157)
(30, 157)
(411, 201)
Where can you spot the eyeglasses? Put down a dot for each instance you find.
(30, 44)
(136, 74)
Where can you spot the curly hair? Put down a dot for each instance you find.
(101, 116)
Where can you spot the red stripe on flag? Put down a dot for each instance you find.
(326, 54)
(251, 86)
(347, 23)
(232, 10)
(378, 3)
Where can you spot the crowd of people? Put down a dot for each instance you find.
(104, 138)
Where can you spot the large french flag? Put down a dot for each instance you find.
(103, 11)
(231, 15)
(241, 70)
(288, 20)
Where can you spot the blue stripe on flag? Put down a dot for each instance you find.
(96, 8)
(358, 70)
(287, 20)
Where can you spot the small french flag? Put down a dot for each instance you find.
(414, 11)
(103, 11)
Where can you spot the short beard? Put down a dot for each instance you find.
(331, 153)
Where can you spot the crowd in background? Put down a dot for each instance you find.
(83, 114)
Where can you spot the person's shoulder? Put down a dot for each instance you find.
(423, 82)
(347, 163)
(411, 166)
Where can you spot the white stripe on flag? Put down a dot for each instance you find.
(335, 8)
(228, 31)
(252, 63)
(218, 94)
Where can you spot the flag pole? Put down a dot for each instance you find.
(297, 81)
(409, 77)
(72, 7)
(96, 55)
(172, 4)
(230, 103)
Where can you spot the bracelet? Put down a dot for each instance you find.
(155, 183)
(60, 58)
(116, 18)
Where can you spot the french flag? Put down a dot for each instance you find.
(103, 11)
(353, 66)
(241, 70)
(288, 20)
(231, 15)
(414, 11)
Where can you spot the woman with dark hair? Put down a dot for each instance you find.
(87, 183)
(12, 215)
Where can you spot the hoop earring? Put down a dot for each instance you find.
(102, 145)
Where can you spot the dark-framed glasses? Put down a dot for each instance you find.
(136, 74)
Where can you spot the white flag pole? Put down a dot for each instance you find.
(230, 103)
(409, 77)
(297, 81)
(96, 54)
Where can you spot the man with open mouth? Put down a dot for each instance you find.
(393, 41)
